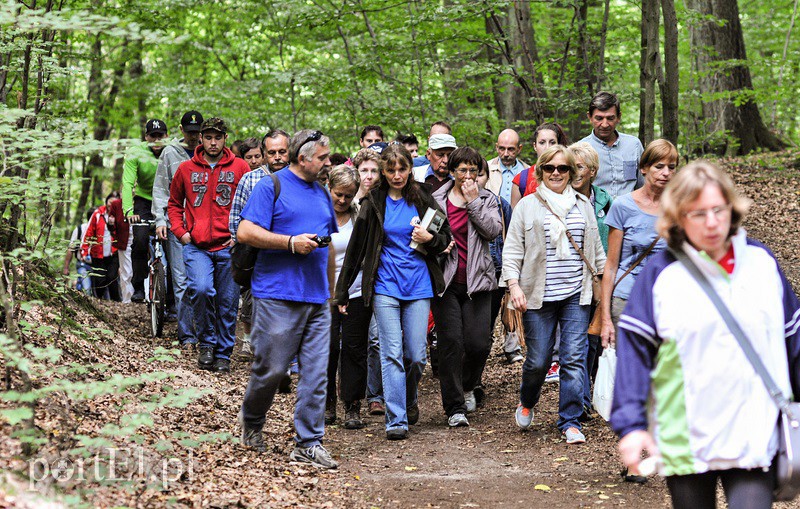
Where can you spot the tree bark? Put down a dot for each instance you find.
(669, 89)
(647, 70)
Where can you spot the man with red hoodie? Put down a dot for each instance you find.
(200, 199)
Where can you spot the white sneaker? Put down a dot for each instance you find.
(470, 402)
(457, 421)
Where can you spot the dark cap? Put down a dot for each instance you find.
(214, 124)
(378, 147)
(191, 121)
(155, 126)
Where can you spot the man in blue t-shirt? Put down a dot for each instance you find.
(292, 282)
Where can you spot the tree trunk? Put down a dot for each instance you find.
(721, 61)
(669, 89)
(647, 70)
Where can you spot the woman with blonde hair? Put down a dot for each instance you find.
(678, 362)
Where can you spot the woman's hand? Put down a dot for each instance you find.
(449, 247)
(470, 190)
(343, 309)
(518, 299)
(420, 235)
(633, 444)
(608, 335)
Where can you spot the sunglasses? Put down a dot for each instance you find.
(561, 168)
(314, 136)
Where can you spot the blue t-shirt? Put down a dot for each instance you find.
(402, 272)
(639, 231)
(302, 207)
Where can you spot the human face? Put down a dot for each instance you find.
(191, 139)
(544, 140)
(464, 172)
(370, 138)
(342, 197)
(276, 152)
(482, 179)
(368, 174)
(213, 143)
(156, 142)
(583, 178)
(658, 175)
(438, 159)
(253, 158)
(507, 151)
(413, 148)
(556, 181)
(707, 222)
(604, 123)
(312, 167)
(397, 176)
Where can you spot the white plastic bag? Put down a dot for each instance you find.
(604, 383)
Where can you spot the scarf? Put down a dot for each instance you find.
(560, 204)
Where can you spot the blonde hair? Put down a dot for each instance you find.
(685, 188)
(344, 176)
(585, 152)
(658, 150)
(549, 154)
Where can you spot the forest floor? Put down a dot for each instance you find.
(489, 464)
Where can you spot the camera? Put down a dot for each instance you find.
(322, 241)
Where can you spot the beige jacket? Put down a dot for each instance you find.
(524, 252)
(496, 175)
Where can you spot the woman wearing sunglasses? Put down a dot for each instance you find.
(551, 232)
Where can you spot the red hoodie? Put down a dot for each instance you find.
(200, 198)
(97, 230)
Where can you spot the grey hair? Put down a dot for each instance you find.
(298, 145)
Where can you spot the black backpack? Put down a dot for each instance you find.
(243, 256)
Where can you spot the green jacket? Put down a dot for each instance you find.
(139, 170)
(602, 203)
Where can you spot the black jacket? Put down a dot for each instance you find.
(366, 245)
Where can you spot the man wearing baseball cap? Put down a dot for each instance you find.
(435, 174)
(200, 200)
(138, 172)
(171, 158)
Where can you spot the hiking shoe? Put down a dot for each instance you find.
(285, 387)
(221, 366)
(330, 414)
(514, 357)
(205, 359)
(412, 414)
(138, 296)
(246, 351)
(396, 434)
(376, 408)
(552, 373)
(457, 420)
(316, 456)
(480, 396)
(251, 437)
(573, 436)
(188, 348)
(470, 402)
(352, 420)
(524, 417)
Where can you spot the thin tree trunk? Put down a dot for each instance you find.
(601, 54)
(669, 90)
(647, 70)
(783, 61)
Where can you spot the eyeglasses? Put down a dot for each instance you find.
(561, 168)
(314, 136)
(463, 171)
(720, 213)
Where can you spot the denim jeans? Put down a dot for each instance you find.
(540, 325)
(84, 283)
(374, 377)
(213, 296)
(174, 252)
(402, 330)
(281, 331)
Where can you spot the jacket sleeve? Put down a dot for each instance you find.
(791, 313)
(129, 172)
(354, 255)
(161, 189)
(177, 195)
(514, 245)
(484, 214)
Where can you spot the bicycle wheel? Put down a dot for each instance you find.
(158, 298)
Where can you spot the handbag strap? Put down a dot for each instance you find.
(774, 391)
(569, 235)
(639, 260)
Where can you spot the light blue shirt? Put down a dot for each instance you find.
(508, 176)
(619, 164)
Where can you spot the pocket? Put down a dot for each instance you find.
(630, 170)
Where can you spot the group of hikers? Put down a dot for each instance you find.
(369, 265)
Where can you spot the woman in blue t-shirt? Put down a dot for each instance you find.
(631, 232)
(398, 281)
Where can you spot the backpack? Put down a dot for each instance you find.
(244, 256)
(523, 181)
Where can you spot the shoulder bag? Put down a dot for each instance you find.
(787, 461)
(244, 256)
(510, 317)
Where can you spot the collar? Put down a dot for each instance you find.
(710, 267)
(430, 173)
(598, 140)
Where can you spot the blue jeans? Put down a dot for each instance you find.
(374, 378)
(281, 331)
(174, 252)
(84, 283)
(402, 331)
(213, 296)
(540, 326)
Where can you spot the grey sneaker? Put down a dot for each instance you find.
(246, 352)
(316, 456)
(574, 436)
(514, 357)
(524, 417)
(470, 402)
(251, 437)
(457, 420)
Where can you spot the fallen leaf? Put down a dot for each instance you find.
(410, 469)
(542, 487)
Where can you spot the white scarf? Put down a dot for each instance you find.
(560, 204)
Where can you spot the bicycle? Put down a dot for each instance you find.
(155, 288)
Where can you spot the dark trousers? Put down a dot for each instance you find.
(105, 278)
(744, 489)
(349, 338)
(465, 339)
(140, 248)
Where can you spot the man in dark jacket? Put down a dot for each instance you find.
(199, 204)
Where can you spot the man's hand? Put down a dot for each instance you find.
(133, 218)
(304, 243)
(470, 190)
(161, 232)
(229, 243)
(186, 238)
